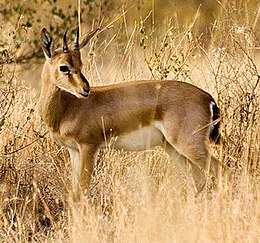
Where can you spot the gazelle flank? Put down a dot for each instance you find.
(140, 114)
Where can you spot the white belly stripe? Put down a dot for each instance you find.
(141, 139)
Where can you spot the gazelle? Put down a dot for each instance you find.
(176, 115)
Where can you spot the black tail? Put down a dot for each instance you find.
(214, 131)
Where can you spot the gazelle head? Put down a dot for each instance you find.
(63, 66)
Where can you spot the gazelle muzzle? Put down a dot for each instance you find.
(86, 88)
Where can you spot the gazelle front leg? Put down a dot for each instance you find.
(76, 166)
(82, 161)
(87, 157)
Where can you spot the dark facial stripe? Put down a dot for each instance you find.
(83, 78)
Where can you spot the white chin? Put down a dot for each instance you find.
(72, 92)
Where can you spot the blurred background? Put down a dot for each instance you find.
(21, 21)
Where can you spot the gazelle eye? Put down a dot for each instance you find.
(64, 69)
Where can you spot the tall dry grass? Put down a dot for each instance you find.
(141, 196)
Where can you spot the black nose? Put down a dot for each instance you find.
(85, 92)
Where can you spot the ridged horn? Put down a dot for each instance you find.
(65, 44)
(76, 41)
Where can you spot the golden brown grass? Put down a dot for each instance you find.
(140, 196)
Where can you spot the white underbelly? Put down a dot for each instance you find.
(141, 139)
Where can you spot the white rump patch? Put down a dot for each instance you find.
(211, 104)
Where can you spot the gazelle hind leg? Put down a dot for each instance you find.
(183, 163)
(198, 154)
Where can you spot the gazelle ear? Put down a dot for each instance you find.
(88, 37)
(47, 43)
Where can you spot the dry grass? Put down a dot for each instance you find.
(137, 197)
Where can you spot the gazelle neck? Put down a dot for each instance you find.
(50, 105)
